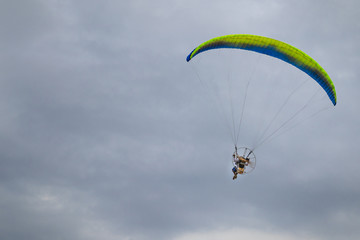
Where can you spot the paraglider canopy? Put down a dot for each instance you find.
(275, 49)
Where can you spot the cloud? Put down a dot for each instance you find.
(242, 233)
(107, 133)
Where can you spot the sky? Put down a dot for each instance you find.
(106, 132)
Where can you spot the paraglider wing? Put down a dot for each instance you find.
(275, 49)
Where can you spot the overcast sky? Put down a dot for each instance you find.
(107, 133)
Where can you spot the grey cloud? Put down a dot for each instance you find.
(107, 133)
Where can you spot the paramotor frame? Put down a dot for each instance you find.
(246, 153)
